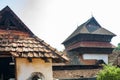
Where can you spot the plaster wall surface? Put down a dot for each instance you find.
(104, 57)
(24, 68)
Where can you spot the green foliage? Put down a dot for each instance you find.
(117, 48)
(109, 73)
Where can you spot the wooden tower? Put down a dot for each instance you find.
(89, 44)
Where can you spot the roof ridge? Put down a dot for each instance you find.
(78, 28)
(88, 27)
(7, 8)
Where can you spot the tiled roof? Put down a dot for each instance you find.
(20, 44)
(25, 47)
(91, 26)
(91, 44)
(18, 40)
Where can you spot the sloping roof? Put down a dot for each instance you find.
(91, 26)
(10, 21)
(25, 46)
(18, 40)
(91, 44)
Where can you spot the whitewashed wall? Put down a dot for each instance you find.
(104, 57)
(24, 68)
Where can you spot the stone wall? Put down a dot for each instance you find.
(64, 74)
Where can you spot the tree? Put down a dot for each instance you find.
(117, 48)
(109, 72)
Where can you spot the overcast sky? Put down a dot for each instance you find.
(54, 20)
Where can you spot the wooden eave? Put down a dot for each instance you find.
(86, 44)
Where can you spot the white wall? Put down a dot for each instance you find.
(24, 68)
(104, 57)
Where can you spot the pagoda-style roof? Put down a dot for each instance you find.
(90, 44)
(91, 26)
(17, 40)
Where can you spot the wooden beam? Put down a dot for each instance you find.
(5, 56)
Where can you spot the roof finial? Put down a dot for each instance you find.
(77, 25)
(91, 14)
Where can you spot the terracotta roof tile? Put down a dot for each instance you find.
(19, 40)
(27, 47)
